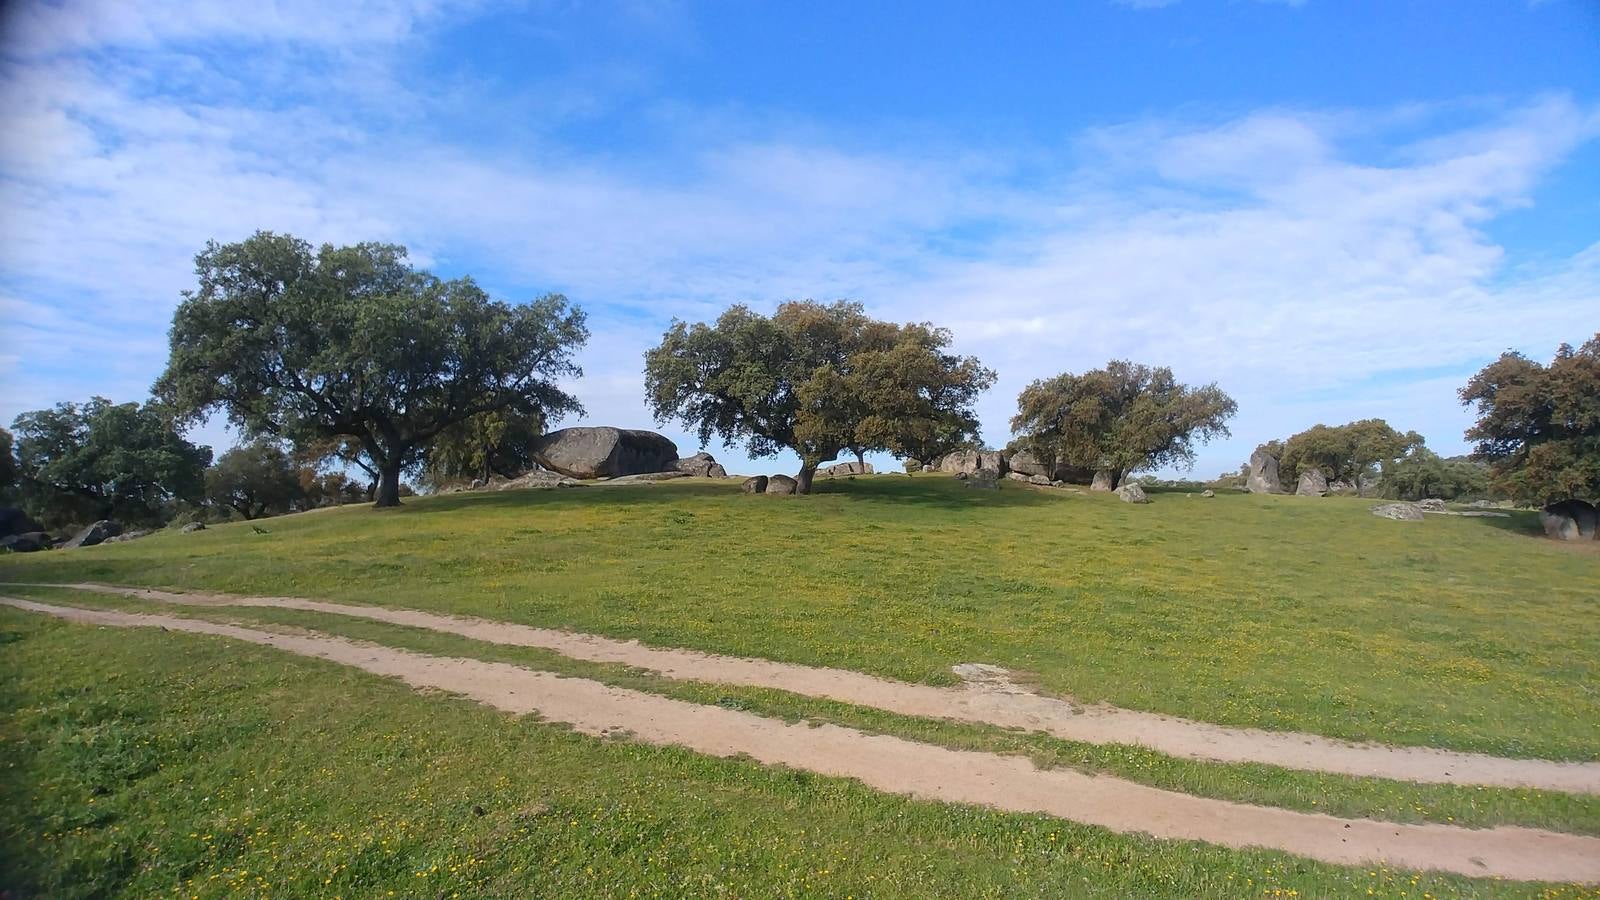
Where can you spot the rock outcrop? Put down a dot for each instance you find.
(702, 464)
(1403, 512)
(26, 543)
(755, 484)
(846, 468)
(1263, 477)
(1431, 505)
(94, 534)
(781, 484)
(1569, 520)
(1312, 484)
(968, 462)
(983, 479)
(1102, 481)
(604, 452)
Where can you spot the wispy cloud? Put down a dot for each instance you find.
(1276, 252)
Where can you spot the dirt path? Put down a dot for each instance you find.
(989, 697)
(924, 770)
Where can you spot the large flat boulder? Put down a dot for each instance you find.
(605, 452)
(846, 468)
(1028, 464)
(1263, 477)
(94, 534)
(1569, 520)
(1400, 512)
(968, 462)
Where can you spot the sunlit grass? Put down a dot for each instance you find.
(1278, 612)
(141, 763)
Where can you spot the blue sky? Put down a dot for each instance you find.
(1333, 209)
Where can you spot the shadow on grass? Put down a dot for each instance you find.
(946, 493)
(930, 491)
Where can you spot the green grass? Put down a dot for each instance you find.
(1373, 798)
(1278, 612)
(139, 763)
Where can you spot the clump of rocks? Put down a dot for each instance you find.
(1570, 520)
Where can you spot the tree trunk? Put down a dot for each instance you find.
(388, 486)
(861, 460)
(803, 480)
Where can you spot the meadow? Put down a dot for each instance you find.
(148, 762)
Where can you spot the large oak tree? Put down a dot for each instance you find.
(1539, 426)
(818, 379)
(316, 345)
(1120, 419)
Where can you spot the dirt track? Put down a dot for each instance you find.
(923, 770)
(989, 697)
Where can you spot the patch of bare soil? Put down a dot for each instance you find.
(924, 770)
(989, 697)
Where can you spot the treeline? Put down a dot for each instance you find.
(335, 362)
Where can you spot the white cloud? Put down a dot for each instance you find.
(1315, 280)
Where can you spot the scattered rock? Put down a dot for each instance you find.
(970, 461)
(14, 521)
(1569, 520)
(26, 543)
(1431, 505)
(477, 484)
(781, 484)
(1131, 492)
(1017, 476)
(756, 484)
(846, 468)
(1041, 480)
(94, 534)
(1404, 512)
(1343, 488)
(1490, 504)
(1312, 484)
(1101, 482)
(929, 467)
(701, 464)
(126, 536)
(538, 478)
(192, 527)
(604, 452)
(1263, 478)
(1208, 493)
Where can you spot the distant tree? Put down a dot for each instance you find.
(8, 466)
(352, 343)
(103, 460)
(1120, 419)
(1539, 426)
(256, 479)
(818, 379)
(319, 489)
(1422, 474)
(1345, 452)
(493, 443)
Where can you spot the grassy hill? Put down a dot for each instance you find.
(1280, 612)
